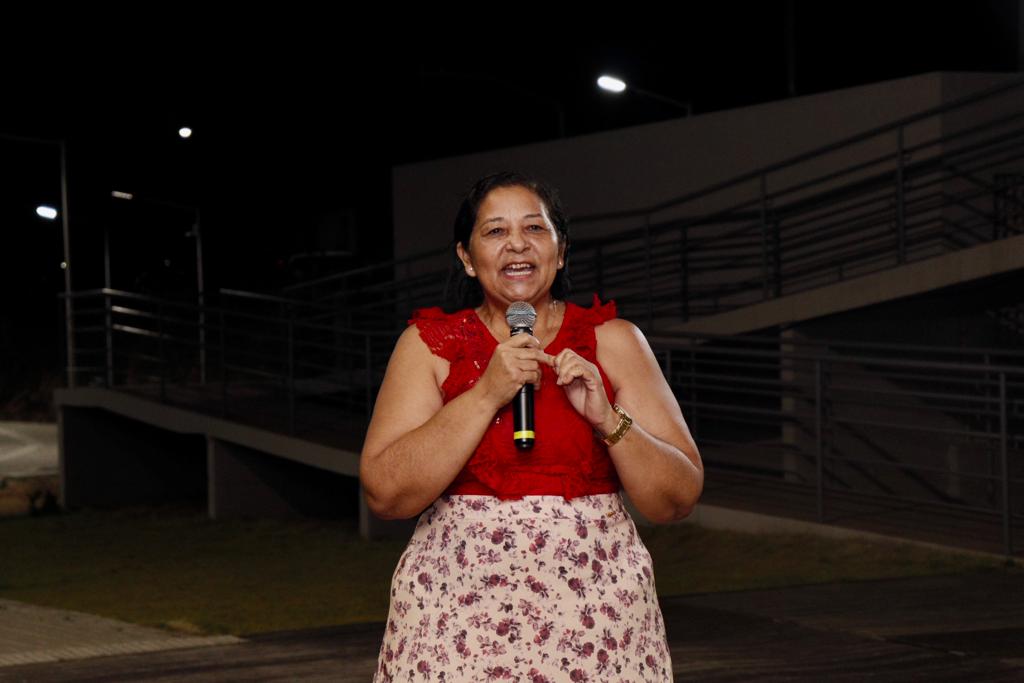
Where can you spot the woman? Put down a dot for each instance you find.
(524, 565)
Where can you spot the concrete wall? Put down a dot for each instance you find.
(119, 449)
(109, 460)
(636, 167)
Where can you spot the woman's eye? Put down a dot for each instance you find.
(531, 228)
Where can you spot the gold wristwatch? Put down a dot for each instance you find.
(625, 422)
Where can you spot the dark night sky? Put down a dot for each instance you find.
(301, 115)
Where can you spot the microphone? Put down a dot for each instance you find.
(521, 318)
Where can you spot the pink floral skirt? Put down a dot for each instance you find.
(535, 589)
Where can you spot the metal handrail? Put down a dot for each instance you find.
(676, 342)
(977, 404)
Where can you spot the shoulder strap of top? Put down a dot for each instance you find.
(440, 331)
(598, 312)
(580, 334)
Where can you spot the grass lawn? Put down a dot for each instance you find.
(174, 568)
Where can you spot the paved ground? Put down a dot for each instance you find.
(31, 634)
(964, 628)
(957, 628)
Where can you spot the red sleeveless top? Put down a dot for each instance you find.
(567, 459)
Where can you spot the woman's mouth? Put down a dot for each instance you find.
(518, 271)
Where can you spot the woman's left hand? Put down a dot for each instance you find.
(583, 387)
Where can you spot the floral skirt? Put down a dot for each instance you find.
(532, 590)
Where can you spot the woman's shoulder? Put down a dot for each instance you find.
(614, 335)
(624, 353)
(619, 336)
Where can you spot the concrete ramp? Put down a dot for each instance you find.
(966, 265)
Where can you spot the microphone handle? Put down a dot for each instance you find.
(522, 418)
(522, 409)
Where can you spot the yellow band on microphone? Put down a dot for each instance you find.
(523, 435)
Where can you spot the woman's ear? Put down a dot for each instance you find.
(464, 257)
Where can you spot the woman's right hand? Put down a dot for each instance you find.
(515, 362)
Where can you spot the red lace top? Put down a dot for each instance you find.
(567, 459)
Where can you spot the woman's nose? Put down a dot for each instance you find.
(516, 240)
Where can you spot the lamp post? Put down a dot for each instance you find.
(617, 85)
(66, 234)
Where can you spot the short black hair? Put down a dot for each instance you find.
(462, 291)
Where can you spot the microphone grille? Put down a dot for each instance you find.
(520, 314)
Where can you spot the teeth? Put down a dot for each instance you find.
(519, 266)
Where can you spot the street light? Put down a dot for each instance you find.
(66, 230)
(617, 85)
(611, 83)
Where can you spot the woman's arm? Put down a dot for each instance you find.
(657, 460)
(416, 445)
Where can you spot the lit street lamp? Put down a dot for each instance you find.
(617, 85)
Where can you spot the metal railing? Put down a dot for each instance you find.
(244, 357)
(921, 425)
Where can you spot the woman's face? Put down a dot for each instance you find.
(513, 229)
